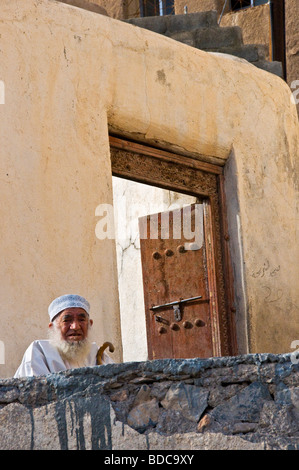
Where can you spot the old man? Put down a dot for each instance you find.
(69, 344)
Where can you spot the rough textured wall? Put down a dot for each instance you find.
(246, 402)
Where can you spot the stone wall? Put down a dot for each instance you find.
(243, 402)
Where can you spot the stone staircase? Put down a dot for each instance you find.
(201, 30)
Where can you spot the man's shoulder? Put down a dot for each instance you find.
(39, 342)
(45, 344)
(41, 345)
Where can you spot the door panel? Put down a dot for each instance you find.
(175, 269)
(188, 175)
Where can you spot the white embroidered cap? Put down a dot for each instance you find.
(67, 301)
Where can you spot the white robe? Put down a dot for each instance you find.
(41, 358)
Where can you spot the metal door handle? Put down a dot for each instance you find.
(176, 306)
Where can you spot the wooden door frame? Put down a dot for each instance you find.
(175, 172)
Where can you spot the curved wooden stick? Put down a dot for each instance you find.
(101, 351)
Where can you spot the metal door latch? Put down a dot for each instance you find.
(177, 312)
(177, 305)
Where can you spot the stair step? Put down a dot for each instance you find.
(210, 38)
(229, 36)
(201, 30)
(249, 52)
(192, 21)
(175, 23)
(273, 67)
(187, 37)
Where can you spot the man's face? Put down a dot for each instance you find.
(73, 324)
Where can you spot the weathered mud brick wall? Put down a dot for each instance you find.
(243, 402)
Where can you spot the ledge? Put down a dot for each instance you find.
(242, 402)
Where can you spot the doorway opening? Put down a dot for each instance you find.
(173, 267)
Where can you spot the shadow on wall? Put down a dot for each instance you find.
(236, 252)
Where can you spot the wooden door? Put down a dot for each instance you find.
(179, 270)
(204, 180)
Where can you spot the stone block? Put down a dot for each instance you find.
(191, 22)
(9, 394)
(244, 428)
(189, 400)
(175, 23)
(288, 396)
(213, 38)
(144, 415)
(172, 421)
(15, 427)
(186, 37)
(244, 406)
(272, 67)
(281, 419)
(157, 24)
(249, 52)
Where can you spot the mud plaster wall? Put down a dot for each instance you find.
(70, 75)
(246, 402)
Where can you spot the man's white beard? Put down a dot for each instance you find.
(74, 352)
